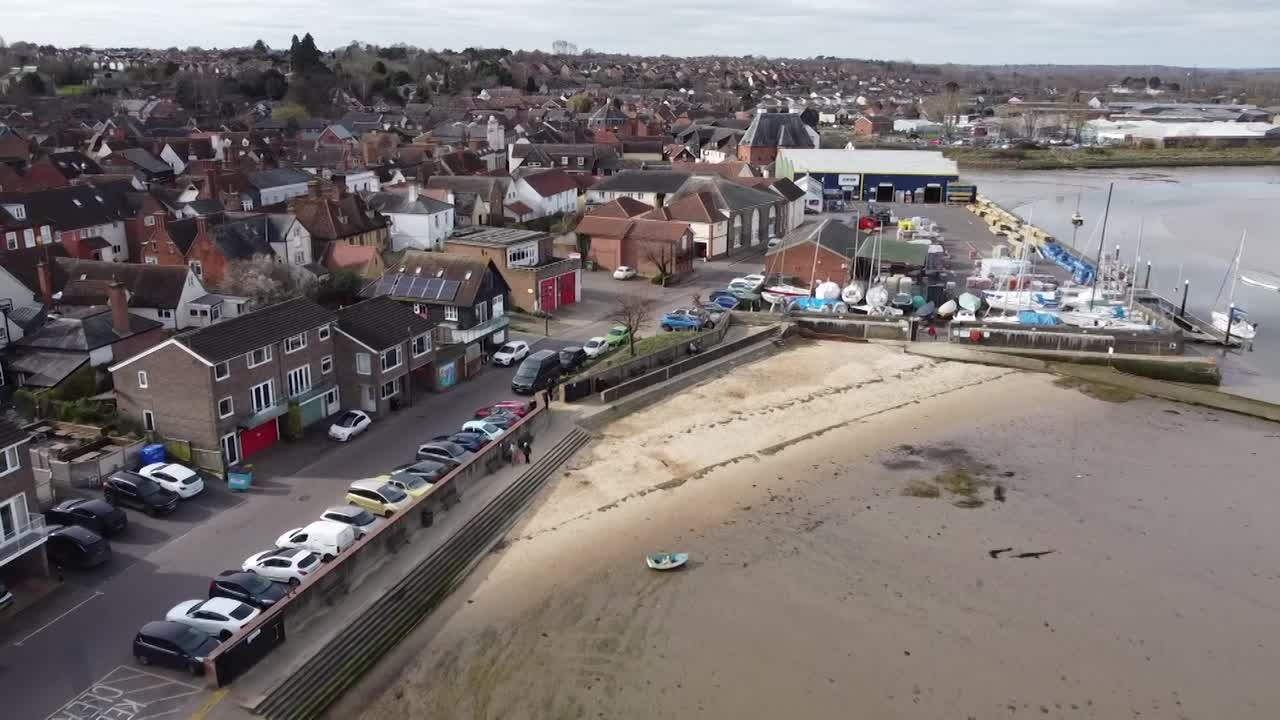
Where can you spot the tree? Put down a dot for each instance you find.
(338, 289)
(32, 84)
(530, 86)
(662, 255)
(579, 104)
(274, 84)
(260, 47)
(1153, 82)
(380, 67)
(631, 312)
(563, 47)
(303, 55)
(747, 101)
(265, 280)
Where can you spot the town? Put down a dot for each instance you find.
(381, 295)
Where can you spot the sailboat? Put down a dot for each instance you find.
(1234, 322)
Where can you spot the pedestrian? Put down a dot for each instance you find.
(527, 447)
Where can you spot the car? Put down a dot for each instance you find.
(88, 513)
(867, 222)
(288, 565)
(596, 346)
(416, 479)
(173, 644)
(326, 538)
(502, 420)
(538, 371)
(134, 490)
(376, 496)
(623, 272)
(350, 424)
(76, 547)
(617, 336)
(249, 588)
(511, 353)
(172, 476)
(220, 617)
(6, 597)
(519, 408)
(572, 358)
(773, 242)
(467, 440)
(442, 451)
(360, 520)
(488, 429)
(686, 319)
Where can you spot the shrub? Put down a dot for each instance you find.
(293, 425)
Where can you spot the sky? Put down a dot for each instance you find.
(1213, 33)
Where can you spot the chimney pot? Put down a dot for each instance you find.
(118, 299)
(45, 278)
(313, 188)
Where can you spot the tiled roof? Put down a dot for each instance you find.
(695, 207)
(381, 322)
(519, 208)
(149, 286)
(639, 229)
(264, 326)
(11, 434)
(551, 182)
(623, 207)
(328, 219)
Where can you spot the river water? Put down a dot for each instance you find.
(1191, 221)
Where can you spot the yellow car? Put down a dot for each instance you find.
(378, 496)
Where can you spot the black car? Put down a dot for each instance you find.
(442, 451)
(76, 547)
(538, 371)
(470, 441)
(134, 490)
(572, 358)
(428, 470)
(249, 588)
(173, 644)
(95, 515)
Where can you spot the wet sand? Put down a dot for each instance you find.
(818, 589)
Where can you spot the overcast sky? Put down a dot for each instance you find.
(1205, 33)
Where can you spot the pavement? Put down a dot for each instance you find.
(70, 656)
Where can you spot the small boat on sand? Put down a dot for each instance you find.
(947, 309)
(666, 561)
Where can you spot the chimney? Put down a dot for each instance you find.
(313, 189)
(413, 192)
(202, 225)
(45, 278)
(118, 299)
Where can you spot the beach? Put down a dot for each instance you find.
(874, 535)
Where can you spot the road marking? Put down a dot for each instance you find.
(208, 705)
(119, 695)
(46, 626)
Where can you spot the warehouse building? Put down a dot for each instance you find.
(872, 175)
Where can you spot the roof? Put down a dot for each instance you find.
(239, 335)
(695, 207)
(728, 195)
(781, 130)
(519, 208)
(42, 368)
(145, 160)
(262, 179)
(72, 207)
(876, 162)
(656, 181)
(22, 264)
(381, 322)
(245, 238)
(787, 189)
(338, 256)
(329, 219)
(896, 251)
(551, 182)
(831, 234)
(623, 207)
(481, 184)
(11, 434)
(495, 237)
(83, 329)
(149, 286)
(639, 229)
(394, 203)
(434, 278)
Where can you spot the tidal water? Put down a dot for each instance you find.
(1191, 221)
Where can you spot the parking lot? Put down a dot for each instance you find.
(85, 628)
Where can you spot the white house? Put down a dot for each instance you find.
(291, 242)
(358, 181)
(269, 187)
(812, 188)
(547, 193)
(418, 222)
(169, 294)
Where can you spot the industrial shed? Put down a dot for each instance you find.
(874, 175)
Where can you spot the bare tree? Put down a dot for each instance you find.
(662, 256)
(631, 312)
(264, 280)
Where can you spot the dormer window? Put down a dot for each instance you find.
(76, 201)
(440, 272)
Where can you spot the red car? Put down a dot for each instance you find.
(868, 223)
(518, 408)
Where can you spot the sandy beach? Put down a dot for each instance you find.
(875, 535)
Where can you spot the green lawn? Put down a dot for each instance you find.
(68, 90)
(1120, 157)
(644, 346)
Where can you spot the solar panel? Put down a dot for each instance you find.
(385, 283)
(410, 290)
(395, 285)
(428, 289)
(448, 289)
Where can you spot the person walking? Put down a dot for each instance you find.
(527, 448)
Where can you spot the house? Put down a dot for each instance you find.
(290, 240)
(27, 280)
(466, 299)
(494, 193)
(208, 244)
(753, 215)
(271, 187)
(418, 221)
(655, 248)
(169, 294)
(226, 389)
(539, 281)
(574, 158)
(147, 168)
(772, 131)
(363, 260)
(357, 181)
(648, 186)
(815, 252)
(385, 354)
(550, 192)
(345, 219)
(20, 230)
(22, 530)
(88, 220)
(709, 225)
(870, 125)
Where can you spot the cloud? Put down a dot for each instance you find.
(1094, 32)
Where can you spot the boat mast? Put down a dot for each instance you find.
(1133, 281)
(1235, 273)
(813, 271)
(1101, 243)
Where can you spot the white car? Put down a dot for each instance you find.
(289, 565)
(172, 476)
(595, 347)
(350, 424)
(624, 273)
(489, 430)
(219, 616)
(359, 519)
(325, 537)
(511, 353)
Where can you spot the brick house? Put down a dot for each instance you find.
(574, 158)
(869, 125)
(227, 388)
(816, 252)
(652, 247)
(770, 131)
(539, 281)
(22, 531)
(384, 354)
(342, 219)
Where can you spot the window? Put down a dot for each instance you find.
(226, 407)
(481, 311)
(11, 240)
(299, 380)
(421, 345)
(295, 343)
(196, 268)
(142, 378)
(150, 260)
(323, 332)
(362, 364)
(148, 421)
(166, 314)
(150, 221)
(231, 448)
(117, 249)
(9, 460)
(19, 212)
(564, 159)
(389, 389)
(582, 161)
(391, 359)
(29, 237)
(451, 313)
(262, 396)
(326, 364)
(221, 371)
(215, 312)
(259, 356)
(526, 255)
(300, 258)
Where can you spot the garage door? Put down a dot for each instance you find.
(259, 438)
(547, 295)
(568, 288)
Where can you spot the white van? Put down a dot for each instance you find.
(323, 537)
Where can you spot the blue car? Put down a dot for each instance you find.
(470, 441)
(685, 319)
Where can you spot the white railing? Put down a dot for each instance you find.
(452, 336)
(28, 533)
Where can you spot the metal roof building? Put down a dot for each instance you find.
(878, 175)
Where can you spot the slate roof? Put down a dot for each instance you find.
(149, 286)
(727, 194)
(11, 434)
(82, 330)
(271, 324)
(479, 184)
(73, 164)
(381, 322)
(44, 368)
(831, 234)
(400, 204)
(278, 177)
(22, 264)
(72, 207)
(183, 233)
(244, 238)
(661, 181)
(145, 160)
(778, 129)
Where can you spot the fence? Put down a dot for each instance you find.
(1073, 339)
(366, 555)
(683, 366)
(77, 464)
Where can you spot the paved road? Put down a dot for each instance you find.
(71, 654)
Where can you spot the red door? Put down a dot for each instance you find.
(547, 295)
(259, 438)
(568, 288)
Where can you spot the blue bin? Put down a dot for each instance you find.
(240, 478)
(153, 453)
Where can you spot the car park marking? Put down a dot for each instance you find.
(128, 693)
(46, 626)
